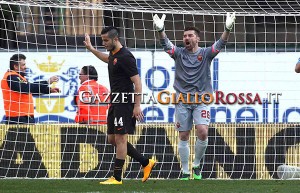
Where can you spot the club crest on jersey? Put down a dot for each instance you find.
(115, 61)
(199, 57)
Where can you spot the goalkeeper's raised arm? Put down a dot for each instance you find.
(160, 27)
(189, 32)
(230, 19)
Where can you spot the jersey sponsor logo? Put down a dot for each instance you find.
(199, 57)
(115, 61)
(119, 129)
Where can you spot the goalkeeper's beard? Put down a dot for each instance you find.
(188, 45)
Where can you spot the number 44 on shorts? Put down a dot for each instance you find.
(118, 122)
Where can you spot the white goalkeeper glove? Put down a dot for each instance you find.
(230, 19)
(159, 23)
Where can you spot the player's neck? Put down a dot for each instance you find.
(193, 50)
(117, 48)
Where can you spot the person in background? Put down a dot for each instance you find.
(18, 93)
(89, 109)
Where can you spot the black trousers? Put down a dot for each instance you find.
(19, 120)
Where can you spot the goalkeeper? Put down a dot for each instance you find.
(192, 75)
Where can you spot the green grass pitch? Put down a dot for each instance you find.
(151, 186)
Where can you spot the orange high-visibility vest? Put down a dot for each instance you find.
(16, 104)
(91, 113)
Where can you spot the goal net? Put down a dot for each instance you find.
(247, 140)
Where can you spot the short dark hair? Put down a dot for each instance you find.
(15, 60)
(91, 72)
(197, 31)
(112, 32)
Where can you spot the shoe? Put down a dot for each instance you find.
(148, 169)
(185, 176)
(197, 173)
(112, 180)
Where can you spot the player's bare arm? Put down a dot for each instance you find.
(160, 28)
(137, 111)
(102, 56)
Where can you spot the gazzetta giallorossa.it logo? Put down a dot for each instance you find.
(166, 97)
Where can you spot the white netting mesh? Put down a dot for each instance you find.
(252, 7)
(51, 34)
(260, 25)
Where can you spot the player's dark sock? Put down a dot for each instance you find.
(118, 168)
(132, 152)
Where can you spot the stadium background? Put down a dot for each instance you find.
(259, 58)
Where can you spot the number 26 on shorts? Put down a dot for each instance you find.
(205, 114)
(118, 122)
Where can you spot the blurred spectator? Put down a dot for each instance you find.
(18, 92)
(90, 98)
